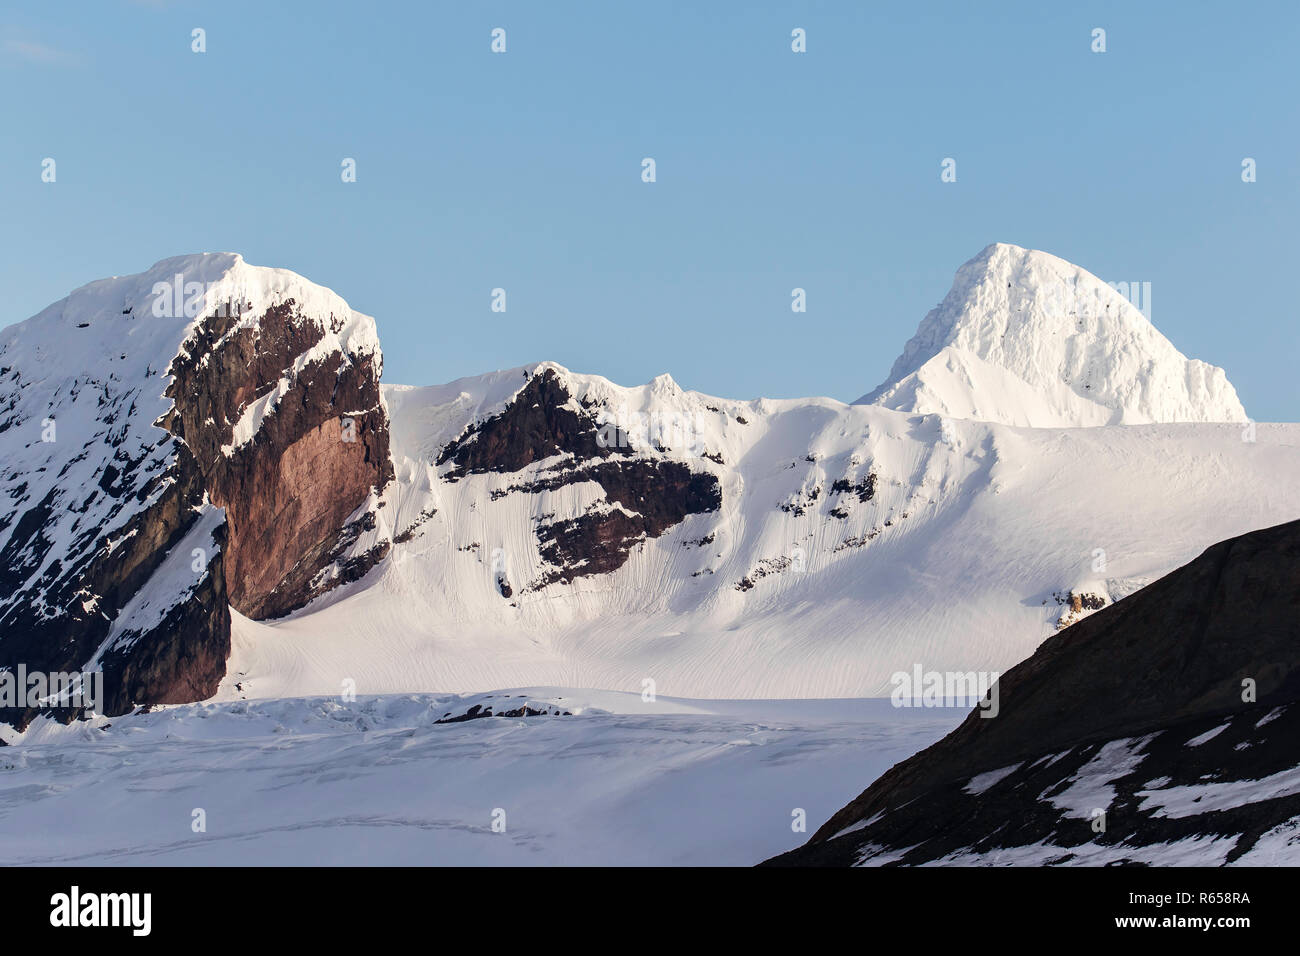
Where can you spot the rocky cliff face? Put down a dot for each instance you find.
(314, 458)
(1159, 729)
(641, 496)
(199, 436)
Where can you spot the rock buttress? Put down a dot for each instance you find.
(314, 459)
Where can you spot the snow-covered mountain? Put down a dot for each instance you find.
(1025, 338)
(801, 548)
(174, 443)
(539, 527)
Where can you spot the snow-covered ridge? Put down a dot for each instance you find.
(812, 578)
(1026, 338)
(134, 324)
(108, 308)
(848, 542)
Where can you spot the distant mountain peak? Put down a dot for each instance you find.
(1026, 338)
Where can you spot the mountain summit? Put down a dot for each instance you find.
(202, 436)
(1025, 338)
(206, 489)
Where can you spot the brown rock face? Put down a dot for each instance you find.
(112, 554)
(660, 493)
(289, 491)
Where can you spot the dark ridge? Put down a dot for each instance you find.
(536, 425)
(1170, 658)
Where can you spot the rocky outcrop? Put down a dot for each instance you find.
(181, 658)
(1120, 737)
(290, 489)
(1077, 606)
(491, 705)
(659, 496)
(643, 496)
(63, 599)
(540, 422)
(203, 435)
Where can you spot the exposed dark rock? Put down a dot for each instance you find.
(502, 709)
(67, 639)
(857, 541)
(865, 488)
(181, 660)
(503, 585)
(1078, 606)
(765, 567)
(288, 495)
(661, 493)
(643, 497)
(409, 533)
(536, 425)
(800, 503)
(1148, 674)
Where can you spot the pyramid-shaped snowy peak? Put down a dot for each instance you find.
(1025, 338)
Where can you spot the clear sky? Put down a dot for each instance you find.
(774, 170)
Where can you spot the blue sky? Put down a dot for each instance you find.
(774, 170)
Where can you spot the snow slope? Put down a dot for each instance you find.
(1025, 338)
(851, 542)
(959, 559)
(377, 781)
(932, 528)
